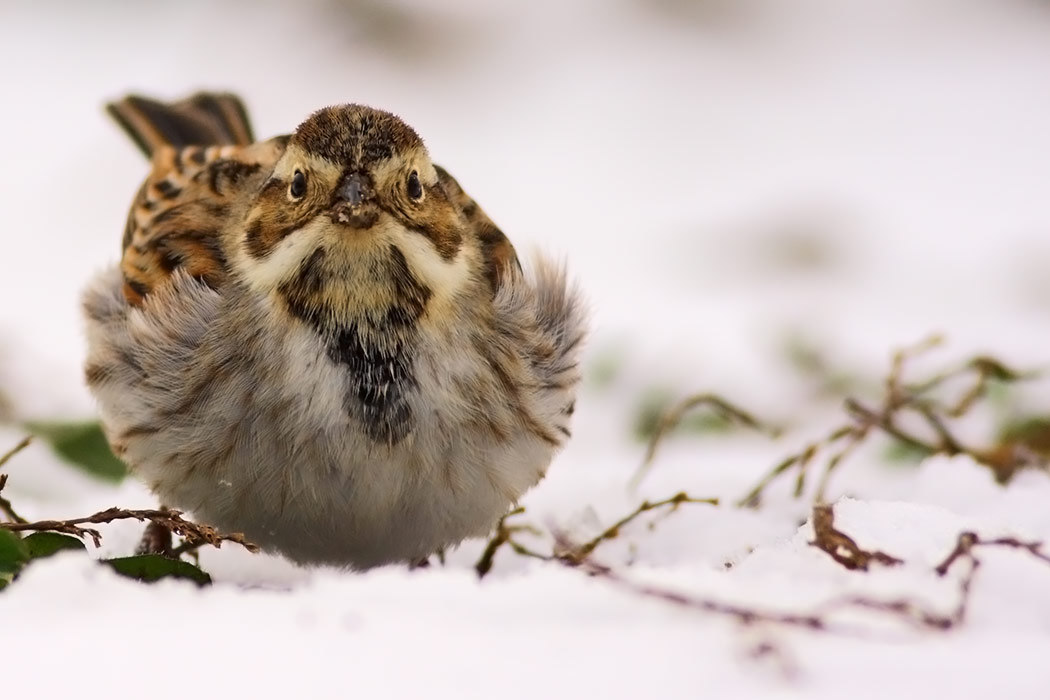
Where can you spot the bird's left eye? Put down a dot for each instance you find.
(298, 187)
(415, 187)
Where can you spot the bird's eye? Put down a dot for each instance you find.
(298, 187)
(415, 187)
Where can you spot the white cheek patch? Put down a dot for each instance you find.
(445, 278)
(283, 261)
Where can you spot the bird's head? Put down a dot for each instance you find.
(355, 223)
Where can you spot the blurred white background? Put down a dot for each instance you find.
(720, 174)
(744, 188)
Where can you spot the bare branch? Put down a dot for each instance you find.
(839, 545)
(744, 615)
(819, 620)
(966, 542)
(171, 519)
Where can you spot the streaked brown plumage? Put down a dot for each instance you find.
(321, 340)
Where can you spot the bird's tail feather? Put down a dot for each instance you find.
(203, 119)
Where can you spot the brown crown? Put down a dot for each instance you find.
(355, 135)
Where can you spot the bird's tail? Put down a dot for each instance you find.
(203, 119)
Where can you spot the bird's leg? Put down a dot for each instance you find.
(424, 562)
(156, 539)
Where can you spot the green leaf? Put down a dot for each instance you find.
(44, 544)
(83, 444)
(153, 567)
(13, 555)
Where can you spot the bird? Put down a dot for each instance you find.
(321, 341)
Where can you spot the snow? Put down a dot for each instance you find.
(721, 176)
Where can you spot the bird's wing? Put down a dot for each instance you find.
(497, 251)
(178, 216)
(204, 163)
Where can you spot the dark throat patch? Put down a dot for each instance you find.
(376, 348)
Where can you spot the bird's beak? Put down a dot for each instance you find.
(353, 202)
(354, 189)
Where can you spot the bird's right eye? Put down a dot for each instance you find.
(298, 187)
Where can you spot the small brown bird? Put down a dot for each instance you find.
(321, 341)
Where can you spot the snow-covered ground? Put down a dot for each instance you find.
(725, 178)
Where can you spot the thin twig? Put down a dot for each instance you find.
(853, 440)
(744, 615)
(580, 552)
(895, 392)
(947, 443)
(802, 458)
(673, 416)
(172, 519)
(966, 542)
(899, 399)
(867, 418)
(5, 505)
(836, 543)
(22, 444)
(504, 535)
(819, 620)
